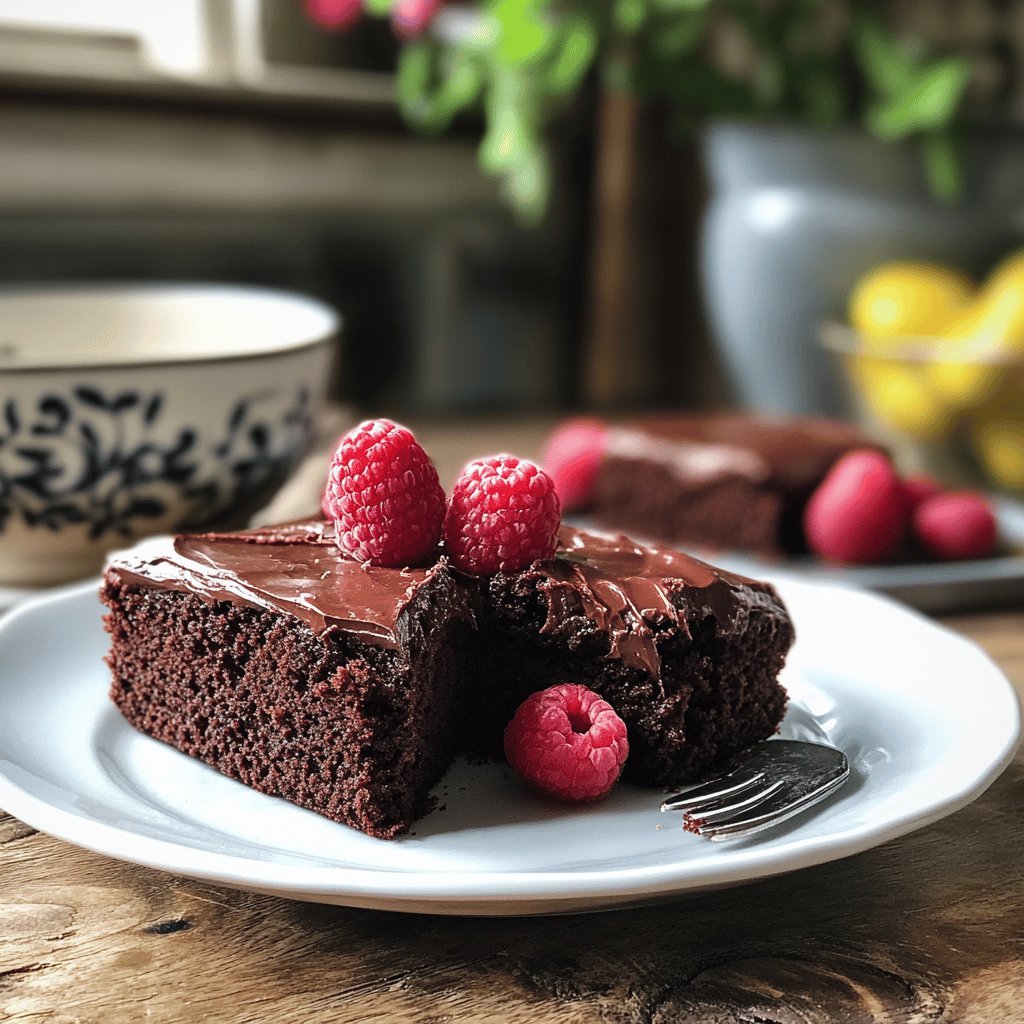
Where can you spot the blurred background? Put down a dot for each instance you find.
(260, 141)
(529, 208)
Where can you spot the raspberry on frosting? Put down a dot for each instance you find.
(567, 742)
(384, 495)
(503, 514)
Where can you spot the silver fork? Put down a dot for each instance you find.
(775, 780)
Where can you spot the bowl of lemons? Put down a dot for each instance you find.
(934, 364)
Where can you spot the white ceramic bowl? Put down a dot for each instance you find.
(127, 410)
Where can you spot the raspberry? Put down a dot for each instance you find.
(503, 514)
(859, 511)
(384, 495)
(957, 525)
(567, 742)
(334, 15)
(572, 458)
(919, 488)
(411, 18)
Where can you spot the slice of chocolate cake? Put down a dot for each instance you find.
(291, 668)
(347, 689)
(725, 481)
(688, 655)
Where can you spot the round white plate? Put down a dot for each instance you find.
(927, 720)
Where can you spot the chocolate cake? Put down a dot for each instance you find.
(347, 689)
(726, 481)
(300, 672)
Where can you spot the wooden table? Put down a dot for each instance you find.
(929, 928)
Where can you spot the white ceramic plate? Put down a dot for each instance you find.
(11, 596)
(927, 720)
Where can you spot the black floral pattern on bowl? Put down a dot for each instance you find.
(104, 461)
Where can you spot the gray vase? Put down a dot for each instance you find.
(797, 215)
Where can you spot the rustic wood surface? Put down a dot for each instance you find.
(929, 928)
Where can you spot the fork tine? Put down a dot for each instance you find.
(726, 810)
(766, 814)
(712, 791)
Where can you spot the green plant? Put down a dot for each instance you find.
(522, 61)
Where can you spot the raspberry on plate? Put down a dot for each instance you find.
(957, 525)
(572, 457)
(503, 514)
(567, 742)
(859, 511)
(384, 495)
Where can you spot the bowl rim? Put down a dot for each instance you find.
(332, 323)
(845, 340)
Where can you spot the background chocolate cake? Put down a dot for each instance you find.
(726, 481)
(347, 688)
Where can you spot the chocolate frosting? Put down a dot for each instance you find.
(627, 590)
(632, 592)
(295, 568)
(791, 452)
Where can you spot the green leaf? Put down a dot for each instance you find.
(510, 121)
(943, 165)
(572, 57)
(682, 6)
(463, 82)
(931, 101)
(378, 8)
(434, 85)
(682, 34)
(525, 31)
(528, 184)
(412, 80)
(887, 69)
(629, 16)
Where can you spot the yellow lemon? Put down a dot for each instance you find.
(964, 370)
(905, 300)
(1001, 306)
(987, 332)
(997, 434)
(1007, 278)
(900, 399)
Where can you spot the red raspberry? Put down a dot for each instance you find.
(957, 525)
(919, 488)
(384, 496)
(411, 18)
(859, 511)
(572, 458)
(334, 15)
(567, 742)
(503, 514)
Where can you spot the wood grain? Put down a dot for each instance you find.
(924, 929)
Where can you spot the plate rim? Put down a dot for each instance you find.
(411, 889)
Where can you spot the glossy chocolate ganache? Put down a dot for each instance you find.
(636, 592)
(630, 591)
